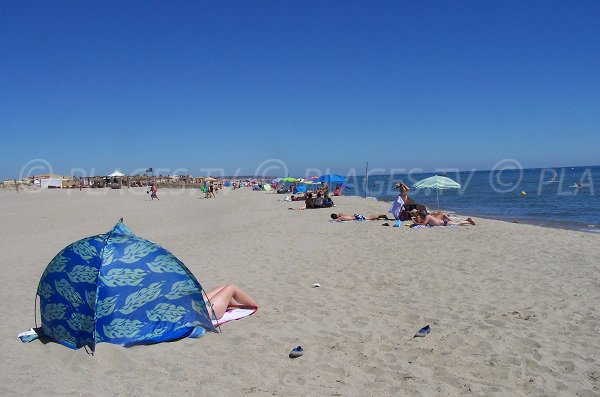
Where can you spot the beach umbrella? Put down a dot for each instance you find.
(331, 178)
(210, 179)
(306, 182)
(276, 180)
(437, 182)
(288, 179)
(120, 288)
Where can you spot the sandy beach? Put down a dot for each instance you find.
(513, 308)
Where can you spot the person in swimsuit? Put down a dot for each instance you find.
(220, 298)
(439, 219)
(358, 217)
(153, 191)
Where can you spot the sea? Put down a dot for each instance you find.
(541, 196)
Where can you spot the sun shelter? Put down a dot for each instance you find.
(120, 288)
(437, 182)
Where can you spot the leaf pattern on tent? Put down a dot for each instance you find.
(192, 324)
(84, 249)
(81, 322)
(182, 288)
(120, 277)
(138, 250)
(45, 290)
(122, 328)
(141, 297)
(90, 298)
(166, 312)
(68, 292)
(107, 255)
(57, 264)
(83, 274)
(54, 311)
(166, 264)
(60, 333)
(106, 307)
(199, 307)
(157, 332)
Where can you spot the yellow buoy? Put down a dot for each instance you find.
(523, 193)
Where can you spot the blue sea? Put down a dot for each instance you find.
(550, 197)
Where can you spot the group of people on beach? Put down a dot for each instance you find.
(403, 209)
(321, 200)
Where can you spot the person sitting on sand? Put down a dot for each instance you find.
(300, 198)
(226, 295)
(327, 201)
(358, 217)
(403, 205)
(307, 203)
(439, 219)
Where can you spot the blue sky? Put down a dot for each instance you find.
(244, 86)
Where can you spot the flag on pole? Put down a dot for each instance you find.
(149, 169)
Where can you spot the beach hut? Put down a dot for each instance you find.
(116, 179)
(120, 288)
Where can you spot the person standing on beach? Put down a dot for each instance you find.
(153, 191)
(338, 190)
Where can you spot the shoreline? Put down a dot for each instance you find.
(554, 224)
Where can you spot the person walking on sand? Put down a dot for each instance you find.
(153, 191)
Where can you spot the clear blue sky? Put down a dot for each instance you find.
(193, 85)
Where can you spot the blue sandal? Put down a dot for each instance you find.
(296, 352)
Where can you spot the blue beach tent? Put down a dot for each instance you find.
(120, 288)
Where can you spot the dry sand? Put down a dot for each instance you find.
(513, 308)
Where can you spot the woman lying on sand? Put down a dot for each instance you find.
(437, 219)
(222, 297)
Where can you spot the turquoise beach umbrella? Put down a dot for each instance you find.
(437, 182)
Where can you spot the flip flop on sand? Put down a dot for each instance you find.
(296, 352)
(422, 332)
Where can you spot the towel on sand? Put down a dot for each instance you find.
(396, 207)
(234, 313)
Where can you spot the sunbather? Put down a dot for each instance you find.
(358, 217)
(439, 219)
(229, 294)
